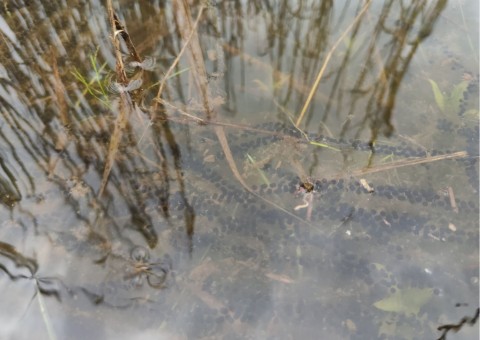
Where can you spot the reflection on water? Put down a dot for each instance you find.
(141, 200)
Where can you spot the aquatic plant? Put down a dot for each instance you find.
(97, 84)
(449, 103)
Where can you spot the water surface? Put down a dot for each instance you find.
(227, 212)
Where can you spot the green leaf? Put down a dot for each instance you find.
(452, 106)
(260, 171)
(324, 145)
(408, 301)
(439, 97)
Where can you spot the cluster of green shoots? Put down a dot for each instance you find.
(97, 83)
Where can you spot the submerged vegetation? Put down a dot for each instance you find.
(97, 84)
(251, 169)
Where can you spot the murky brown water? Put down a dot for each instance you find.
(226, 207)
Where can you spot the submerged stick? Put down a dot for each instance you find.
(125, 103)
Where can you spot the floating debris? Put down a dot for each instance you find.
(453, 201)
(307, 186)
(452, 227)
(365, 185)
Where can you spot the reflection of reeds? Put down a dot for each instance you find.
(382, 101)
(44, 286)
(196, 61)
(59, 88)
(199, 73)
(172, 67)
(416, 24)
(390, 61)
(325, 63)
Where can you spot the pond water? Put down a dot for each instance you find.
(304, 169)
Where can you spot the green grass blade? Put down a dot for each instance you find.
(260, 171)
(324, 145)
(439, 97)
(455, 99)
(171, 76)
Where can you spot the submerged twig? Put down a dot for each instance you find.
(456, 327)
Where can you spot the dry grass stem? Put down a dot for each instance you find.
(126, 37)
(324, 66)
(59, 89)
(125, 104)
(403, 163)
(182, 112)
(195, 53)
